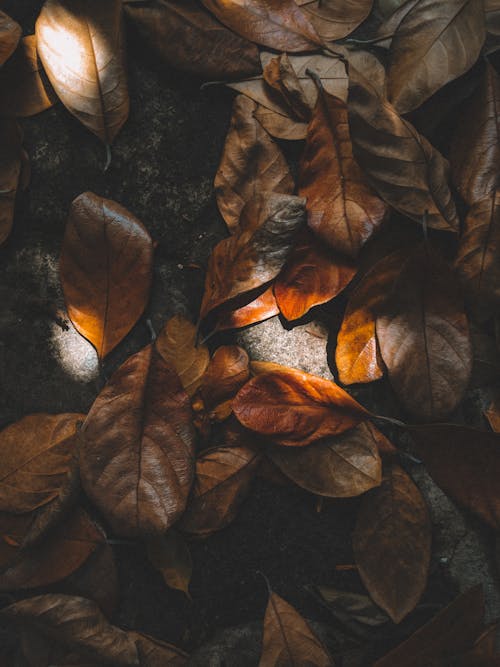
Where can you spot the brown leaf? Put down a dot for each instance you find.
(10, 34)
(261, 308)
(280, 74)
(223, 479)
(356, 355)
(393, 527)
(137, 452)
(349, 607)
(424, 338)
(492, 14)
(452, 630)
(342, 208)
(79, 624)
(81, 45)
(492, 414)
(288, 639)
(156, 653)
(434, 44)
(334, 19)
(29, 91)
(280, 125)
(465, 463)
(251, 162)
(402, 166)
(10, 172)
(311, 276)
(478, 258)
(170, 555)
(255, 254)
(278, 24)
(37, 453)
(105, 267)
(185, 36)
(341, 466)
(296, 408)
(475, 149)
(176, 343)
(227, 372)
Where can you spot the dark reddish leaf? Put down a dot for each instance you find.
(492, 413)
(10, 34)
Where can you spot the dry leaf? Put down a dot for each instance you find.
(402, 166)
(176, 343)
(278, 24)
(155, 653)
(106, 270)
(81, 45)
(37, 453)
(492, 414)
(261, 308)
(170, 555)
(227, 372)
(492, 14)
(434, 44)
(10, 34)
(280, 74)
(295, 408)
(340, 466)
(251, 162)
(10, 172)
(288, 639)
(349, 607)
(424, 338)
(185, 36)
(256, 252)
(137, 451)
(335, 19)
(393, 527)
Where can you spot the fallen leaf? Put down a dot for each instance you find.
(155, 653)
(261, 308)
(81, 45)
(334, 19)
(10, 34)
(254, 255)
(312, 275)
(478, 258)
(434, 44)
(280, 125)
(492, 15)
(10, 172)
(357, 356)
(170, 555)
(423, 336)
(278, 24)
(280, 74)
(465, 463)
(137, 450)
(452, 630)
(251, 162)
(393, 526)
(340, 466)
(296, 408)
(402, 166)
(106, 269)
(37, 453)
(223, 479)
(176, 343)
(475, 149)
(492, 413)
(29, 91)
(391, 23)
(288, 639)
(348, 607)
(185, 36)
(342, 209)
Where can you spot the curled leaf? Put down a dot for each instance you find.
(261, 308)
(226, 373)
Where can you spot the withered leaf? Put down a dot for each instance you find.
(350, 607)
(81, 45)
(251, 162)
(256, 252)
(223, 479)
(452, 630)
(278, 24)
(478, 258)
(261, 308)
(475, 149)
(227, 372)
(465, 463)
(393, 526)
(492, 14)
(356, 355)
(312, 275)
(492, 413)
(333, 19)
(137, 450)
(280, 124)
(280, 74)
(170, 555)
(22, 76)
(424, 338)
(176, 343)
(342, 209)
(10, 172)
(155, 653)
(185, 36)
(288, 639)
(10, 34)
(340, 466)
(106, 268)
(296, 408)
(434, 43)
(79, 624)
(400, 164)
(37, 453)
